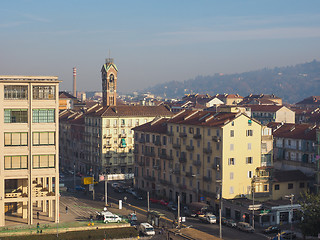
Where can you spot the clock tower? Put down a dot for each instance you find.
(109, 73)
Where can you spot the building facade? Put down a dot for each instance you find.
(194, 152)
(29, 170)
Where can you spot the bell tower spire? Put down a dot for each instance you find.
(109, 74)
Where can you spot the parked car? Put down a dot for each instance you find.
(80, 188)
(137, 196)
(288, 235)
(230, 223)
(271, 229)
(163, 202)
(186, 211)
(130, 190)
(245, 227)
(154, 200)
(208, 218)
(119, 189)
(172, 206)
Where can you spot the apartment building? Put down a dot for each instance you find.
(29, 170)
(194, 152)
(271, 113)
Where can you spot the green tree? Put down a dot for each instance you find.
(310, 214)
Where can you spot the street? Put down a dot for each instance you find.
(83, 206)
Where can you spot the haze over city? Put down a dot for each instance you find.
(154, 41)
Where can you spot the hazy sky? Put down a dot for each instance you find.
(154, 41)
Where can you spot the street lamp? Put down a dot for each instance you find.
(220, 198)
(291, 201)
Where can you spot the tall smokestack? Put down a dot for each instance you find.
(74, 82)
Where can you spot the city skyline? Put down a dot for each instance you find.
(154, 42)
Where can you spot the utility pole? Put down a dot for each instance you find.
(74, 176)
(148, 202)
(253, 189)
(92, 186)
(179, 211)
(105, 192)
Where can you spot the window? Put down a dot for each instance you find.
(231, 133)
(208, 159)
(301, 185)
(248, 160)
(15, 162)
(231, 147)
(209, 132)
(265, 188)
(43, 161)
(290, 185)
(231, 161)
(43, 115)
(15, 92)
(191, 130)
(218, 146)
(249, 146)
(44, 92)
(16, 139)
(43, 138)
(231, 190)
(277, 187)
(198, 143)
(249, 174)
(249, 133)
(249, 122)
(15, 115)
(231, 175)
(177, 128)
(232, 123)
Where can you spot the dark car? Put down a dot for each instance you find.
(119, 190)
(137, 196)
(271, 229)
(172, 206)
(230, 223)
(288, 235)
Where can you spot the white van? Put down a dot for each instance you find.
(110, 217)
(146, 229)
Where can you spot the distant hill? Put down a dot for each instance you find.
(292, 83)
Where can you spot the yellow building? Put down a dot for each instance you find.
(29, 147)
(194, 151)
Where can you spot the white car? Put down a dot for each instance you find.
(109, 217)
(146, 229)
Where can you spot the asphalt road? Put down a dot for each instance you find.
(227, 232)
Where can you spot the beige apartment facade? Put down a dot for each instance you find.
(195, 152)
(29, 170)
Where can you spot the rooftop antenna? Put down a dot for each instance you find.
(109, 59)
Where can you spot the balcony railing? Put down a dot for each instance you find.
(170, 133)
(108, 155)
(176, 145)
(183, 159)
(190, 148)
(207, 150)
(207, 179)
(150, 154)
(183, 135)
(176, 171)
(190, 174)
(122, 135)
(157, 143)
(149, 178)
(216, 138)
(197, 136)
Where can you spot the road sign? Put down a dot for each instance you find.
(87, 180)
(91, 187)
(113, 177)
(254, 207)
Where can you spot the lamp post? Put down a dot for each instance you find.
(291, 196)
(253, 189)
(220, 199)
(74, 176)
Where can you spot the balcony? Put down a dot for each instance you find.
(207, 179)
(108, 155)
(176, 146)
(183, 135)
(190, 148)
(165, 182)
(107, 136)
(176, 171)
(216, 138)
(170, 157)
(157, 143)
(207, 150)
(183, 159)
(123, 163)
(163, 156)
(123, 154)
(197, 163)
(157, 167)
(190, 174)
(142, 140)
(107, 146)
(170, 133)
(197, 136)
(122, 135)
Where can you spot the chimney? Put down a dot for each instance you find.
(74, 82)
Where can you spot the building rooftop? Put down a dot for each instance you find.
(288, 176)
(28, 78)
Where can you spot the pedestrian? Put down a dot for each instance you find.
(66, 209)
(38, 226)
(38, 214)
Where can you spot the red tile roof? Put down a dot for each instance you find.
(264, 108)
(156, 126)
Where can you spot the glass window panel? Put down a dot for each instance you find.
(35, 115)
(43, 161)
(15, 139)
(35, 161)
(51, 160)
(7, 115)
(51, 115)
(24, 139)
(44, 138)
(51, 138)
(15, 161)
(43, 116)
(35, 138)
(7, 162)
(7, 139)
(24, 162)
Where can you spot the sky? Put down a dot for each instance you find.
(154, 41)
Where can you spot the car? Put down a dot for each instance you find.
(119, 189)
(172, 206)
(245, 227)
(230, 223)
(80, 188)
(137, 196)
(154, 200)
(163, 202)
(288, 235)
(271, 229)
(130, 190)
(115, 185)
(146, 229)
